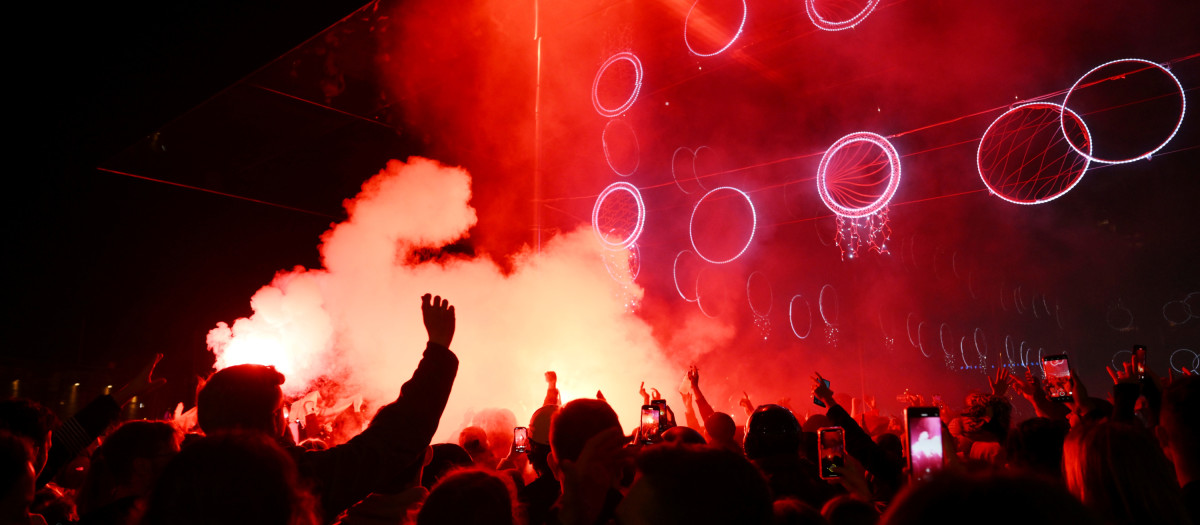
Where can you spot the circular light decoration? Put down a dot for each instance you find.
(618, 216)
(629, 148)
(856, 179)
(962, 351)
(717, 292)
(836, 15)
(675, 276)
(981, 347)
(633, 93)
(829, 314)
(1179, 360)
(692, 223)
(1122, 356)
(758, 284)
(623, 265)
(691, 166)
(949, 356)
(1008, 348)
(921, 339)
(1087, 145)
(908, 328)
(1024, 158)
(858, 175)
(706, 20)
(807, 315)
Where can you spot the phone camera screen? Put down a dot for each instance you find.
(925, 445)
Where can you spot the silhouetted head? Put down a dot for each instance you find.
(576, 423)
(32, 421)
(128, 463)
(230, 477)
(446, 457)
(1179, 426)
(1036, 446)
(720, 427)
(683, 435)
(848, 510)
(472, 496)
(242, 397)
(791, 511)
(475, 441)
(695, 484)
(772, 430)
(17, 475)
(987, 499)
(1119, 471)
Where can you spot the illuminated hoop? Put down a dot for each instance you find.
(1024, 354)
(921, 340)
(792, 318)
(699, 298)
(675, 276)
(608, 156)
(637, 84)
(1117, 308)
(692, 221)
(1195, 360)
(849, 180)
(1028, 127)
(949, 357)
(1008, 348)
(693, 51)
(962, 351)
(675, 176)
(770, 292)
(821, 304)
(1117, 360)
(627, 240)
(830, 186)
(1182, 110)
(981, 352)
(625, 272)
(810, 6)
(908, 329)
(1017, 302)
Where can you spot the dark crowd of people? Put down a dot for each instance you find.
(1129, 459)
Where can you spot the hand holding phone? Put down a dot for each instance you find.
(520, 439)
(831, 448)
(650, 422)
(923, 428)
(1058, 378)
(821, 383)
(1139, 360)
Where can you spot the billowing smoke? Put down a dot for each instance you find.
(357, 321)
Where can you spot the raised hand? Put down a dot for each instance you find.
(746, 404)
(693, 376)
(1125, 375)
(1000, 381)
(439, 319)
(654, 395)
(552, 379)
(142, 383)
(644, 393)
(820, 391)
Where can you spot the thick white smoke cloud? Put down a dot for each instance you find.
(358, 319)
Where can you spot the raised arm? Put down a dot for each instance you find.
(858, 443)
(400, 431)
(706, 410)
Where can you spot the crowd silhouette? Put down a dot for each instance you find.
(1129, 459)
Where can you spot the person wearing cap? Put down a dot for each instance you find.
(540, 494)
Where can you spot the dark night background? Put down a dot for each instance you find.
(297, 104)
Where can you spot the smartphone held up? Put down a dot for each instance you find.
(1058, 377)
(831, 447)
(649, 423)
(923, 428)
(520, 439)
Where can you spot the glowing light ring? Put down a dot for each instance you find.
(637, 147)
(1008, 348)
(676, 177)
(675, 276)
(1116, 361)
(700, 303)
(908, 328)
(821, 304)
(1024, 354)
(837, 25)
(920, 340)
(1182, 109)
(687, 43)
(883, 199)
(770, 301)
(995, 188)
(979, 336)
(792, 319)
(641, 216)
(1195, 360)
(962, 350)
(637, 84)
(1017, 300)
(942, 338)
(1117, 308)
(692, 221)
(634, 262)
